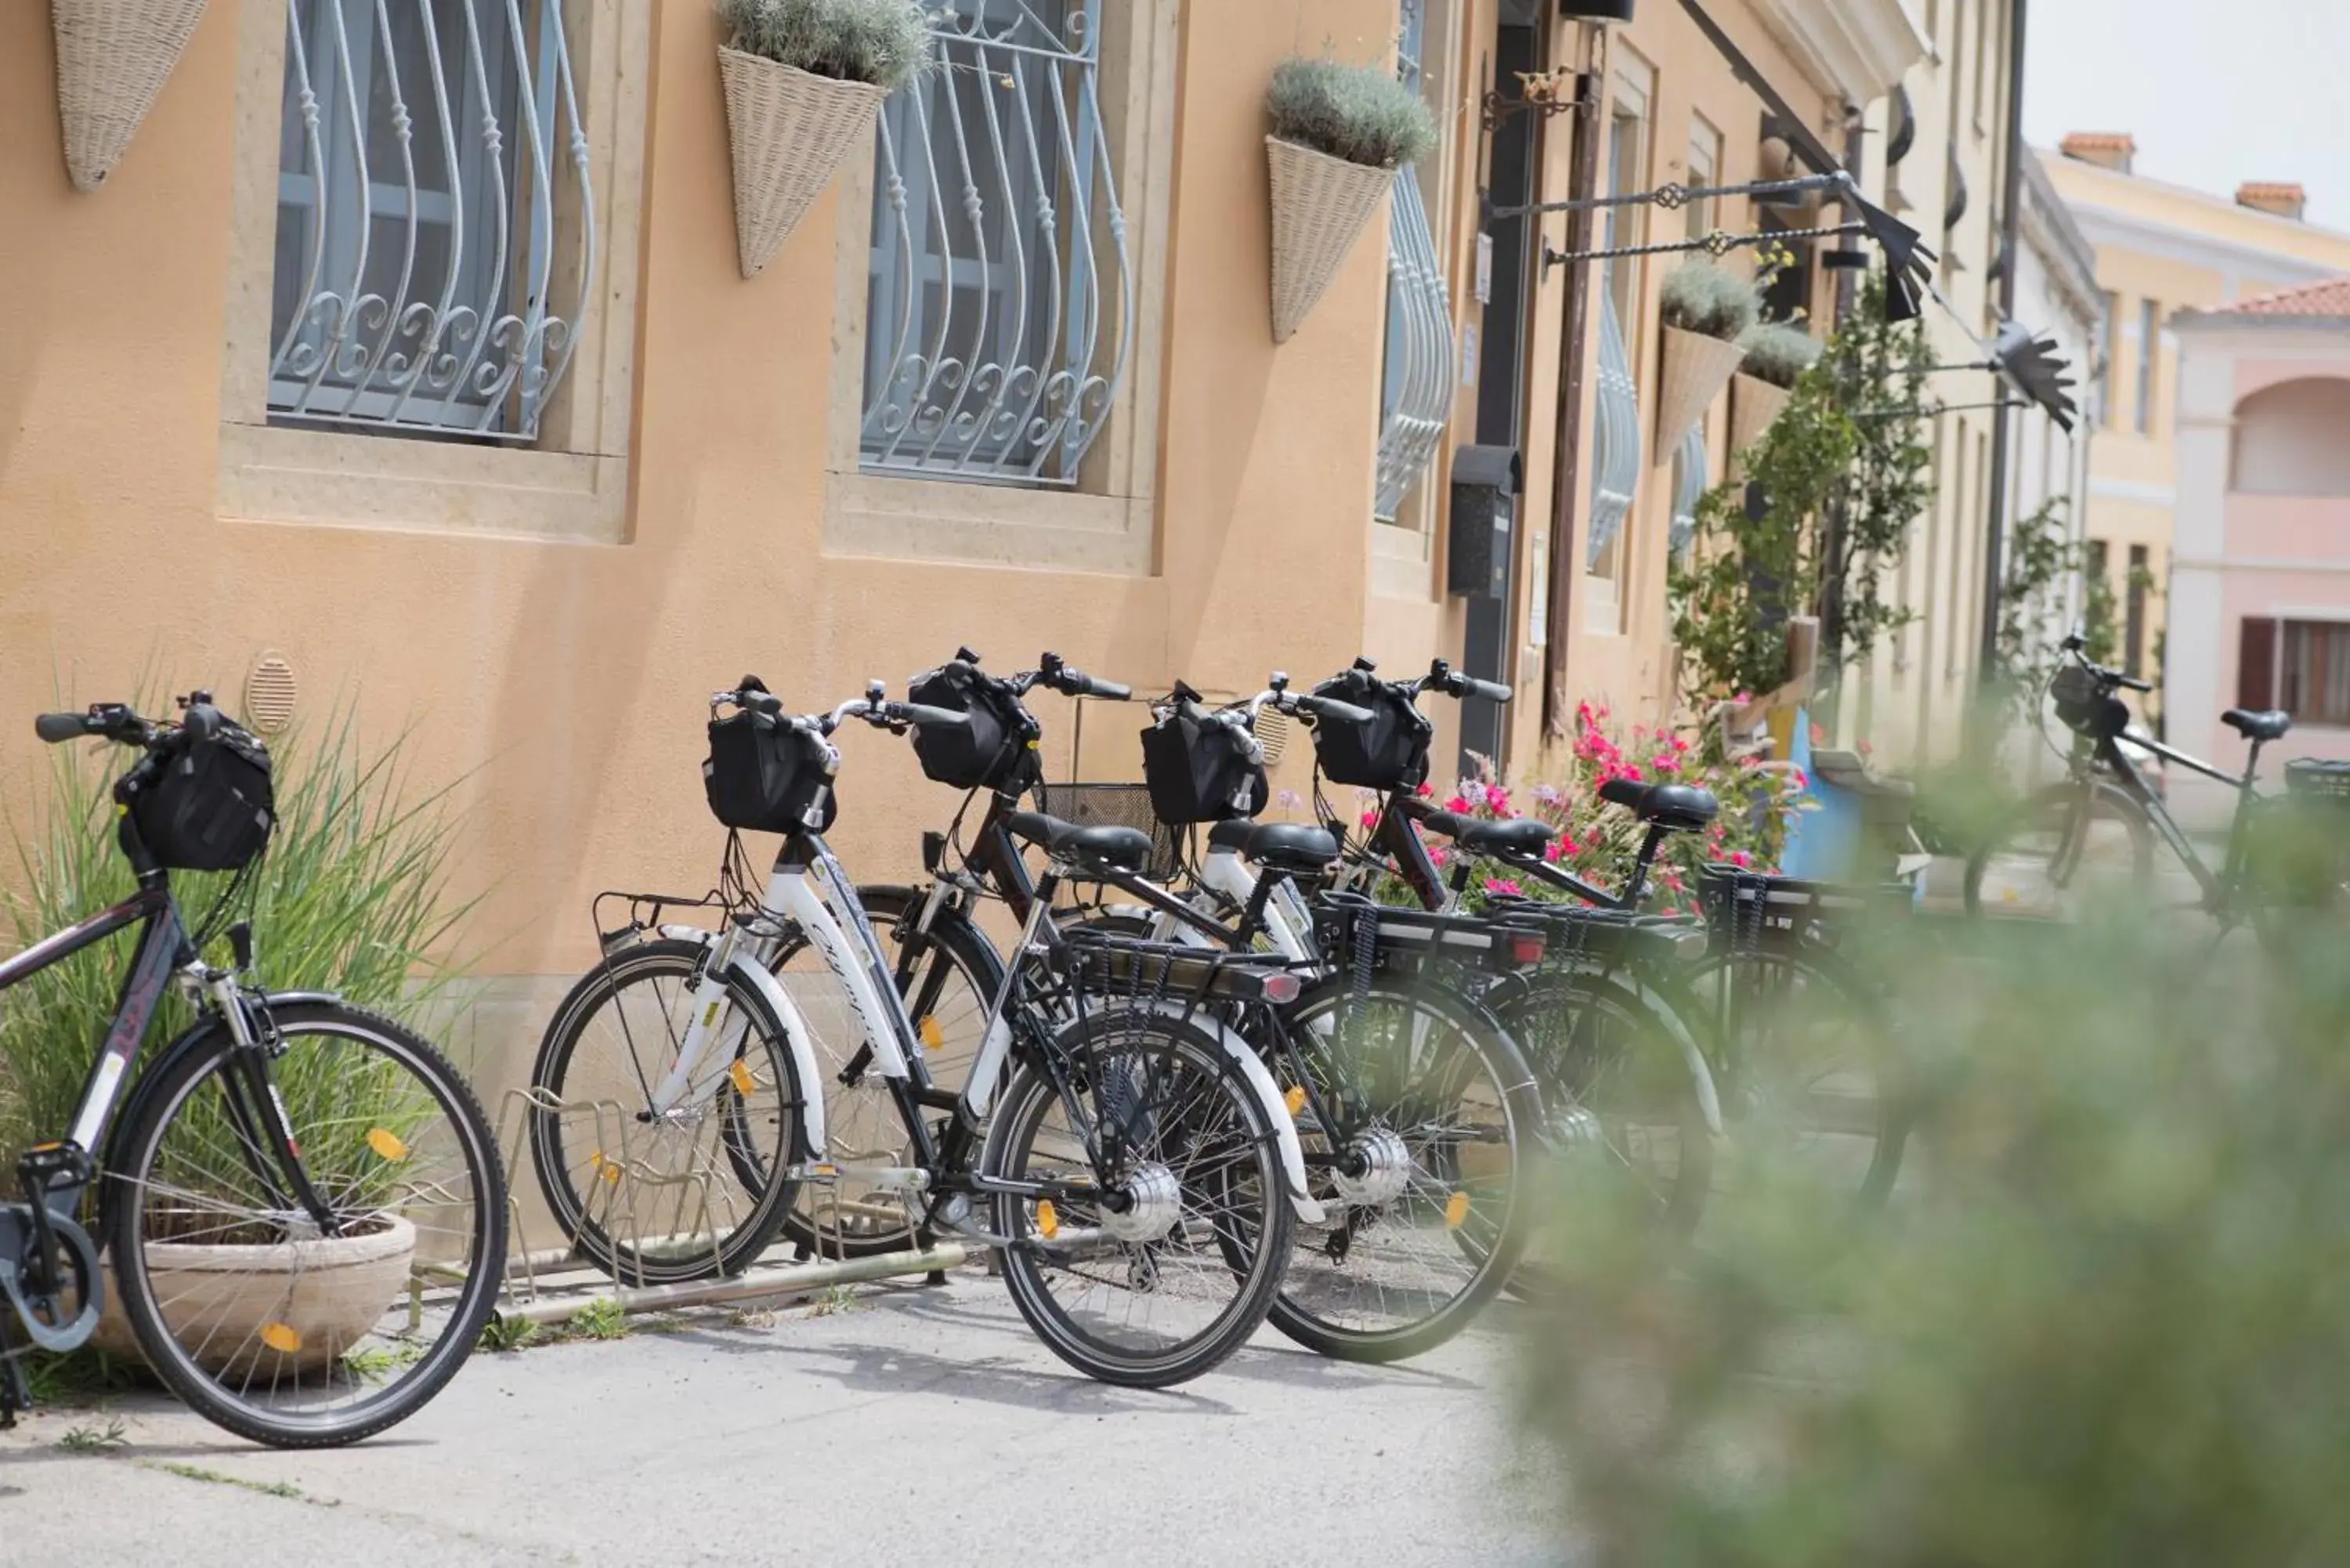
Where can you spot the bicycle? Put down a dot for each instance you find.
(2094, 831)
(1113, 1140)
(302, 1200)
(1411, 1105)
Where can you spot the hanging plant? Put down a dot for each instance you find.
(803, 79)
(1705, 310)
(1777, 353)
(1339, 133)
(114, 56)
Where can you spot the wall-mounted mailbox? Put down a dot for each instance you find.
(1485, 512)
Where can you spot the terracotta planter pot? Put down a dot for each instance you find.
(789, 130)
(294, 1306)
(114, 56)
(1755, 405)
(1697, 367)
(1321, 205)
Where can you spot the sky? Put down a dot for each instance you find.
(2216, 91)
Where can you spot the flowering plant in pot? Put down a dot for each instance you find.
(1339, 133)
(1705, 310)
(803, 79)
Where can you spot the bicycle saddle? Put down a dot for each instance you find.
(1117, 848)
(1521, 839)
(2268, 724)
(1683, 809)
(1289, 845)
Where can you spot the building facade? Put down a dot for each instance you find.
(2259, 586)
(2162, 249)
(405, 360)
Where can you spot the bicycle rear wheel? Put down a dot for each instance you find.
(2063, 848)
(1171, 1268)
(264, 1326)
(1421, 1167)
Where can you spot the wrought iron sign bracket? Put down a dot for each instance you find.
(1544, 93)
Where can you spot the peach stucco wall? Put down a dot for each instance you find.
(564, 683)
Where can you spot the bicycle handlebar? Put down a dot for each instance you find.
(2077, 647)
(1070, 681)
(55, 728)
(116, 722)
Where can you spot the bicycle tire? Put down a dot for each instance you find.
(141, 1148)
(756, 1201)
(2104, 800)
(1244, 1202)
(1485, 1062)
(1888, 1131)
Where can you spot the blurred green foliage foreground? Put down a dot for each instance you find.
(2105, 1317)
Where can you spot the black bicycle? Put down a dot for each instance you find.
(300, 1202)
(2094, 834)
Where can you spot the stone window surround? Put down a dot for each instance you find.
(573, 484)
(1107, 524)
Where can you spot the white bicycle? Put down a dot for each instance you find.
(1116, 1138)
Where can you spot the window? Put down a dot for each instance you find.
(2149, 347)
(2134, 612)
(1704, 168)
(429, 277)
(1615, 440)
(1000, 297)
(2314, 671)
(1415, 385)
(2104, 366)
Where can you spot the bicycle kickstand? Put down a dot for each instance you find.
(16, 1394)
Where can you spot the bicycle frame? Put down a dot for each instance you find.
(2218, 886)
(162, 948)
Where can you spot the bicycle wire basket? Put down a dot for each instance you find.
(1118, 806)
(1756, 911)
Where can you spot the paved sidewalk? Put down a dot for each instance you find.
(923, 1426)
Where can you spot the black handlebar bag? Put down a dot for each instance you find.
(211, 806)
(763, 775)
(1200, 770)
(2085, 706)
(990, 750)
(1388, 753)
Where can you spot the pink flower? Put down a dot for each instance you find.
(1750, 761)
(1670, 911)
(1425, 790)
(1740, 858)
(1665, 763)
(1632, 771)
(1370, 819)
(1439, 856)
(1802, 780)
(1458, 805)
(1567, 844)
(1680, 742)
(1867, 749)
(1818, 735)
(1497, 799)
(1288, 800)
(1551, 851)
(1502, 887)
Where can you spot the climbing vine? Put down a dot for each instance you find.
(2042, 560)
(1821, 514)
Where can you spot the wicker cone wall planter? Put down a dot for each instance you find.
(293, 1305)
(1754, 406)
(1697, 367)
(789, 131)
(114, 56)
(1320, 207)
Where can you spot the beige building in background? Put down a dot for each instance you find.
(2162, 249)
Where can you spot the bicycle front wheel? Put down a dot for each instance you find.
(267, 1323)
(1415, 1133)
(2063, 848)
(1165, 1246)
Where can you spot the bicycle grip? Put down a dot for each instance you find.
(924, 717)
(1491, 691)
(55, 728)
(1331, 708)
(2133, 683)
(1109, 691)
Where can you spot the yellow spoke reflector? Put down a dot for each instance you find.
(1048, 1223)
(1295, 1100)
(281, 1338)
(933, 1037)
(386, 1144)
(610, 1169)
(740, 1071)
(1456, 1210)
